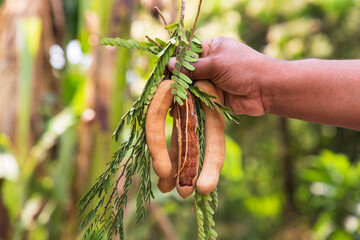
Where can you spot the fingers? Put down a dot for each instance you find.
(203, 68)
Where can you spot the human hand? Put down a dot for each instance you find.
(237, 71)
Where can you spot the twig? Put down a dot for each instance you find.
(152, 40)
(163, 18)
(193, 29)
(121, 175)
(182, 13)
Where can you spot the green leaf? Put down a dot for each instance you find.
(226, 115)
(213, 233)
(147, 44)
(190, 59)
(211, 221)
(107, 185)
(122, 43)
(174, 91)
(180, 81)
(183, 44)
(155, 49)
(172, 26)
(183, 83)
(207, 197)
(160, 42)
(182, 95)
(184, 77)
(188, 66)
(164, 50)
(222, 107)
(179, 59)
(195, 49)
(182, 53)
(179, 101)
(118, 130)
(209, 209)
(192, 54)
(176, 72)
(196, 39)
(128, 119)
(178, 66)
(188, 33)
(181, 89)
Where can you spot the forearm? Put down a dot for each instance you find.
(322, 91)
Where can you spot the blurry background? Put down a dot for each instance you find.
(61, 96)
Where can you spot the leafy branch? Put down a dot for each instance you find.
(184, 57)
(121, 175)
(182, 81)
(206, 98)
(108, 222)
(118, 42)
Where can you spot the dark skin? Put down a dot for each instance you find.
(321, 91)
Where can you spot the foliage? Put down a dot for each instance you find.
(138, 162)
(329, 193)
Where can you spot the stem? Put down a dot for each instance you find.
(193, 29)
(121, 175)
(152, 40)
(182, 13)
(163, 18)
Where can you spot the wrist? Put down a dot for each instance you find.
(270, 74)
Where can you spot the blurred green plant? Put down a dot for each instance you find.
(329, 193)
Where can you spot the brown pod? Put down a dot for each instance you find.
(188, 142)
(214, 142)
(155, 129)
(167, 184)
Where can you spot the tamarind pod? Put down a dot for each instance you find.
(155, 129)
(214, 142)
(167, 184)
(188, 142)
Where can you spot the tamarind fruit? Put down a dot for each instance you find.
(179, 167)
(155, 129)
(167, 184)
(215, 148)
(188, 145)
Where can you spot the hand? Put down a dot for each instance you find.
(237, 71)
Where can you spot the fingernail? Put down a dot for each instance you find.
(171, 63)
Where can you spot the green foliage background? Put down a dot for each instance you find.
(283, 179)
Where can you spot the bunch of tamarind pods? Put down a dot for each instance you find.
(180, 165)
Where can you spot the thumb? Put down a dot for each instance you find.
(202, 70)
